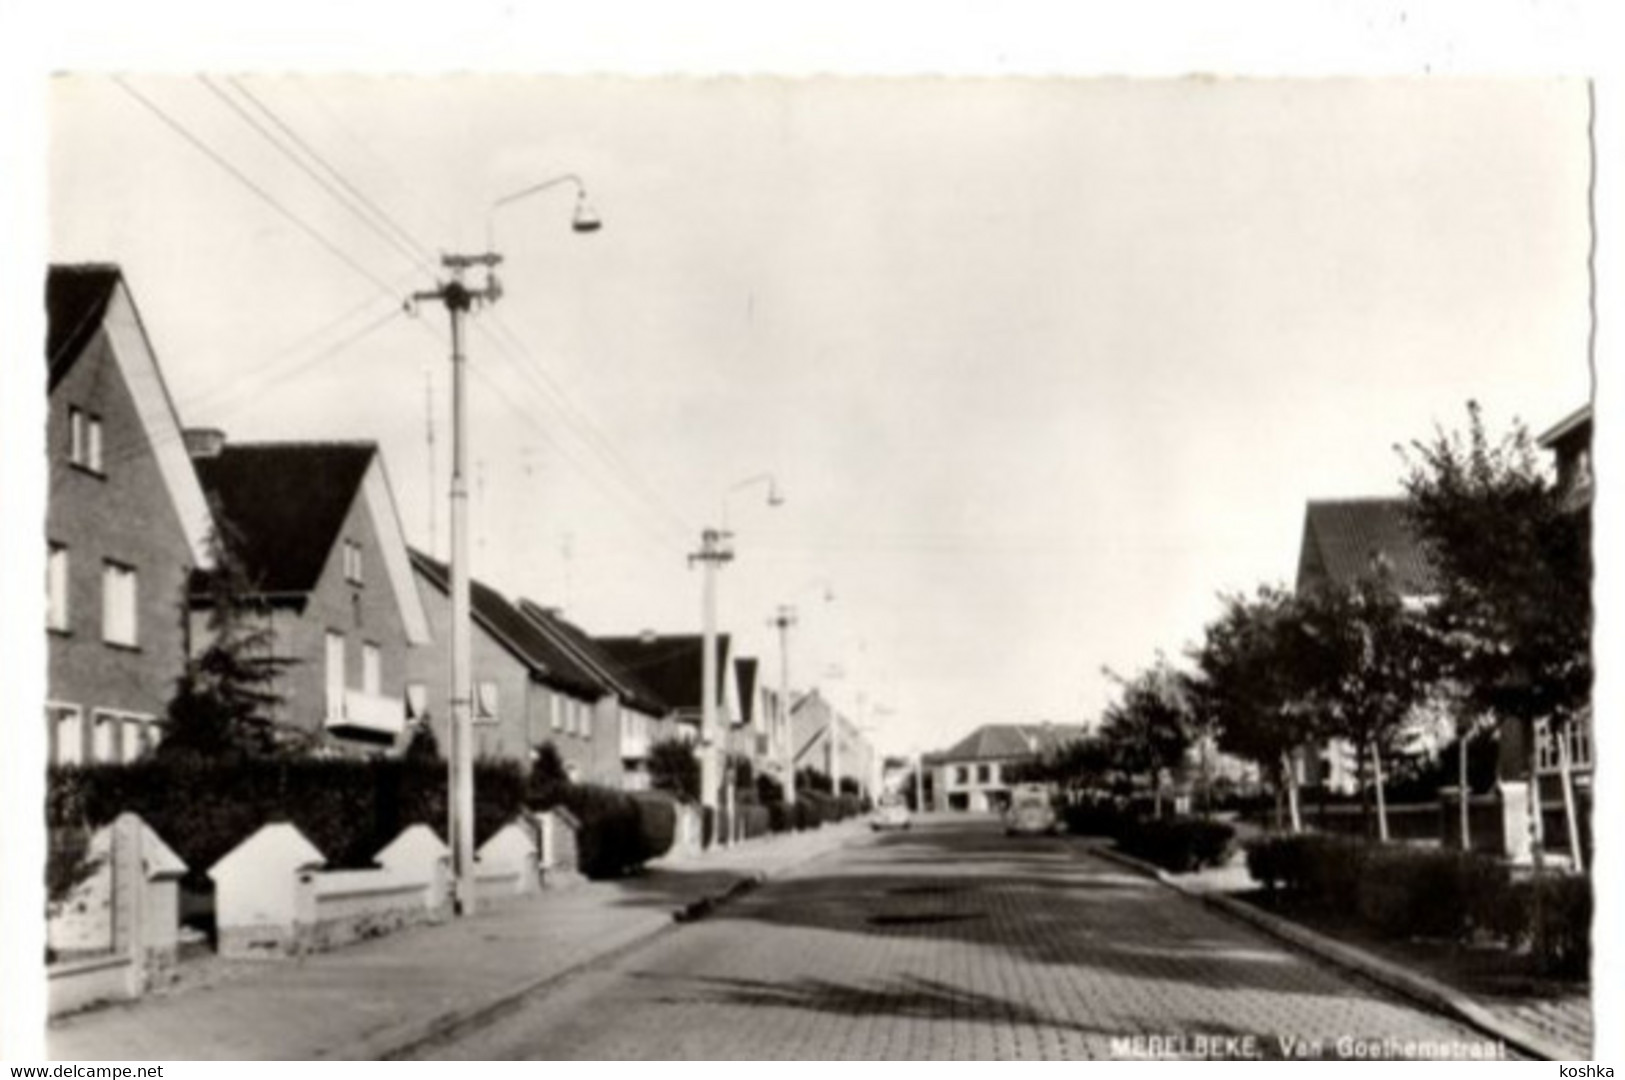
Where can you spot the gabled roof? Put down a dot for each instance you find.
(996, 741)
(76, 300)
(1577, 421)
(83, 300)
(281, 506)
(625, 684)
(1344, 540)
(670, 666)
(524, 640)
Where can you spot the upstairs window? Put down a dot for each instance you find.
(56, 588)
(554, 713)
(85, 440)
(485, 702)
(417, 701)
(983, 774)
(352, 562)
(119, 604)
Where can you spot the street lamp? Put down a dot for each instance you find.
(785, 735)
(459, 300)
(716, 548)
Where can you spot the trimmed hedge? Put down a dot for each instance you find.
(349, 809)
(1402, 891)
(1180, 845)
(618, 833)
(754, 821)
(657, 821)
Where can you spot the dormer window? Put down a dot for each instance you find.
(85, 440)
(352, 562)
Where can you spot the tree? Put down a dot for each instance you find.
(1250, 686)
(1514, 564)
(1368, 667)
(1151, 728)
(225, 699)
(674, 768)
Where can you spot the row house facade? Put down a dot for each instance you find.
(126, 524)
(527, 691)
(823, 735)
(315, 530)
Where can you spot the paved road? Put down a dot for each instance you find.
(953, 942)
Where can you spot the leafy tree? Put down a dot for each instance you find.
(1514, 564)
(1250, 686)
(674, 768)
(225, 699)
(548, 777)
(1149, 730)
(423, 746)
(1369, 667)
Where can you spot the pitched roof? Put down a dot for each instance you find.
(548, 663)
(1577, 421)
(85, 299)
(280, 506)
(591, 654)
(670, 666)
(76, 299)
(1345, 539)
(993, 741)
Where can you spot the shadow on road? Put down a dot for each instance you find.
(1044, 900)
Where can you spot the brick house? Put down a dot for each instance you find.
(629, 710)
(975, 773)
(126, 523)
(814, 723)
(1346, 541)
(527, 690)
(315, 526)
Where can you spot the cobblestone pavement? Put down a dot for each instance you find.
(954, 942)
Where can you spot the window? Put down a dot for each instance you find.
(352, 562)
(417, 701)
(1547, 759)
(586, 721)
(554, 713)
(371, 680)
(66, 731)
(485, 701)
(983, 775)
(335, 675)
(118, 604)
(961, 774)
(85, 440)
(56, 588)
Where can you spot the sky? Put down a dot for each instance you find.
(1041, 366)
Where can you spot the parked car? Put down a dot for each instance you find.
(892, 814)
(1031, 811)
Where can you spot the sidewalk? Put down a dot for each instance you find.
(379, 999)
(1557, 1028)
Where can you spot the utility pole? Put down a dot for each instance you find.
(714, 552)
(785, 619)
(459, 299)
(919, 783)
(428, 417)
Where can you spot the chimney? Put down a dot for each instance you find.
(202, 442)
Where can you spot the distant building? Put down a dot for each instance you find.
(126, 524)
(823, 735)
(1346, 541)
(975, 773)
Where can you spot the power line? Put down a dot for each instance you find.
(424, 255)
(326, 185)
(242, 178)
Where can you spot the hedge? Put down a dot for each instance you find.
(618, 833)
(1402, 891)
(657, 820)
(349, 809)
(1180, 844)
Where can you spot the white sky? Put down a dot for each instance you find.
(1041, 365)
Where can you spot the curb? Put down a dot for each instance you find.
(451, 1024)
(1408, 984)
